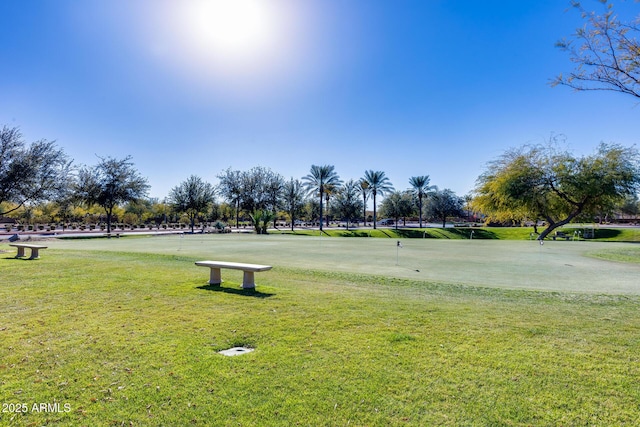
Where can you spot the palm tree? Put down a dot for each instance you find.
(317, 181)
(364, 189)
(329, 190)
(378, 184)
(420, 186)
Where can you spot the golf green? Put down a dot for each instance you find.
(554, 266)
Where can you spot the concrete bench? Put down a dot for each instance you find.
(561, 235)
(35, 254)
(248, 281)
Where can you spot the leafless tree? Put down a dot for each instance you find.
(606, 52)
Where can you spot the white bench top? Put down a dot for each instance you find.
(27, 245)
(233, 265)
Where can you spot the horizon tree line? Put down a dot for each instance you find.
(119, 190)
(527, 184)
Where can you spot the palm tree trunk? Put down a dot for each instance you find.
(320, 209)
(364, 210)
(327, 216)
(374, 211)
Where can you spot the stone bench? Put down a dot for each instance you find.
(35, 254)
(561, 235)
(248, 281)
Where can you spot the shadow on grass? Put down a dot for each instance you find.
(446, 233)
(440, 233)
(607, 233)
(356, 233)
(478, 233)
(236, 291)
(383, 231)
(411, 234)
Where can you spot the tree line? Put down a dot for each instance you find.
(537, 184)
(40, 175)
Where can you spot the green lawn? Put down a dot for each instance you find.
(511, 233)
(126, 332)
(522, 264)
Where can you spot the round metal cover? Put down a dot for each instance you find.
(236, 351)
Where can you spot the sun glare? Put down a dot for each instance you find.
(237, 32)
(248, 52)
(237, 49)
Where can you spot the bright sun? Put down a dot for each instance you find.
(245, 50)
(237, 33)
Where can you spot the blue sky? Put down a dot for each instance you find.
(409, 87)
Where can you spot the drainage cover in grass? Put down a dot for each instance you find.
(236, 351)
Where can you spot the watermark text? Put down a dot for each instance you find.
(20, 407)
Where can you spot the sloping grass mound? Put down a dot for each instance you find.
(618, 234)
(494, 233)
(629, 254)
(421, 233)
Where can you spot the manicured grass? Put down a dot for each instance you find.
(555, 266)
(131, 338)
(627, 254)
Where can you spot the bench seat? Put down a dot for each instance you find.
(561, 235)
(35, 254)
(248, 281)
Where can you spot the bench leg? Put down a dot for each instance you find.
(35, 253)
(215, 278)
(248, 281)
(20, 252)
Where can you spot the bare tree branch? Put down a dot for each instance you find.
(606, 52)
